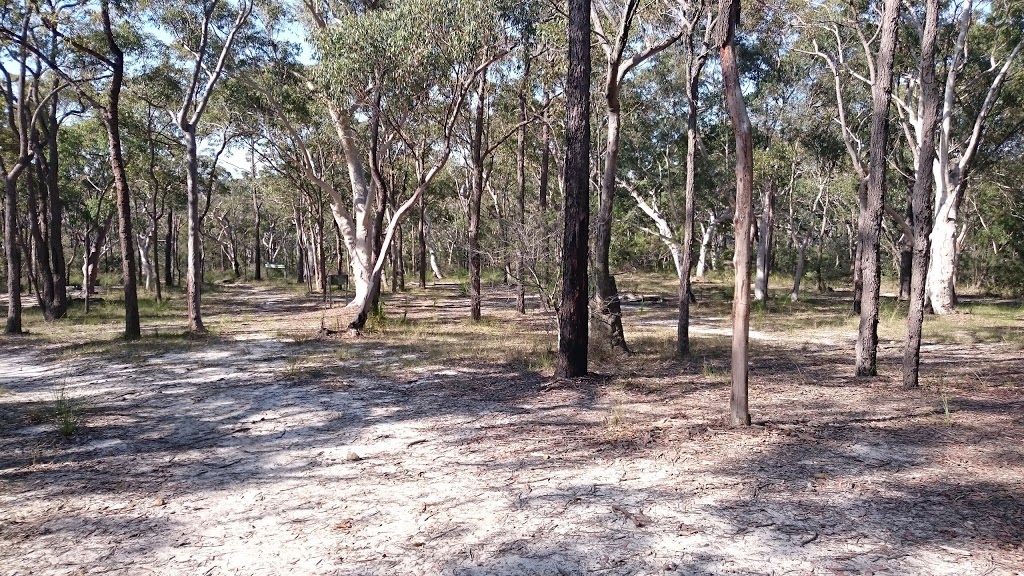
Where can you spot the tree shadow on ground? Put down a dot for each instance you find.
(616, 475)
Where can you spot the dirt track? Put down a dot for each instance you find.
(253, 454)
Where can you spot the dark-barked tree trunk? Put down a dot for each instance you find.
(728, 20)
(55, 301)
(12, 251)
(572, 311)
(111, 118)
(40, 275)
(476, 191)
(109, 112)
(871, 218)
(20, 124)
(695, 68)
(521, 189)
(920, 198)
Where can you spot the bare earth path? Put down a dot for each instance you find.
(253, 453)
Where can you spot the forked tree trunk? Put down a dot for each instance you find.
(572, 312)
(920, 197)
(871, 218)
(951, 172)
(728, 20)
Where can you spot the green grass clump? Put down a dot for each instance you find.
(66, 412)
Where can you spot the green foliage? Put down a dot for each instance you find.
(409, 45)
(66, 412)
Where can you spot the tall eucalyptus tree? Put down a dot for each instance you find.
(96, 33)
(613, 28)
(728, 21)
(204, 32)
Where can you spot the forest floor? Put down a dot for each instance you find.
(432, 445)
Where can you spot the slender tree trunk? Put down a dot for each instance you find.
(111, 118)
(693, 93)
(93, 250)
(236, 266)
(145, 266)
(28, 249)
(339, 243)
(871, 222)
(169, 240)
(545, 162)
(858, 257)
(54, 212)
(257, 247)
(801, 260)
(40, 251)
(395, 258)
(476, 194)
(155, 240)
(13, 255)
(906, 269)
(521, 192)
(431, 253)
(572, 312)
(764, 244)
(133, 328)
(321, 260)
(821, 244)
(193, 280)
(400, 246)
(300, 249)
(607, 308)
(421, 244)
(728, 20)
(920, 198)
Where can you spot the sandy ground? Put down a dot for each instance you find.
(251, 453)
